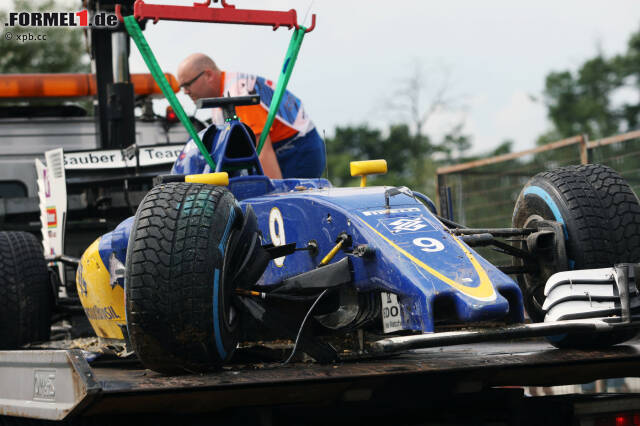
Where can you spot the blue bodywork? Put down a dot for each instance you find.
(415, 257)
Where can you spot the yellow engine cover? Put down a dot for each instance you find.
(102, 302)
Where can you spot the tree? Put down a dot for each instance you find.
(409, 151)
(417, 100)
(63, 50)
(455, 144)
(584, 101)
(421, 96)
(629, 68)
(408, 156)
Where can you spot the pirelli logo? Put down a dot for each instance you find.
(390, 211)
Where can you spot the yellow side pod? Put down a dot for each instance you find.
(103, 303)
(367, 167)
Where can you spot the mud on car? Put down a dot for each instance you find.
(227, 256)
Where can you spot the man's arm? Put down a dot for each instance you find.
(268, 159)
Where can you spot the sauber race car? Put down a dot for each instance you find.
(228, 256)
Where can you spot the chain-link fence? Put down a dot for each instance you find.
(482, 193)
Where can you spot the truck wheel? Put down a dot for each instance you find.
(180, 314)
(26, 298)
(585, 201)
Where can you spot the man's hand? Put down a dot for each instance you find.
(268, 159)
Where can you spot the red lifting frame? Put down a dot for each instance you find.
(227, 14)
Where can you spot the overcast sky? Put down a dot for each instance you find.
(493, 53)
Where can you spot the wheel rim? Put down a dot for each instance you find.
(533, 286)
(229, 312)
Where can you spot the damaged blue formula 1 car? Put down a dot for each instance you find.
(213, 259)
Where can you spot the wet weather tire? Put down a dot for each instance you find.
(566, 196)
(621, 207)
(26, 297)
(596, 207)
(180, 316)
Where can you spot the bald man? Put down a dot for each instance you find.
(293, 149)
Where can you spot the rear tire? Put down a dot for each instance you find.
(26, 298)
(596, 207)
(180, 314)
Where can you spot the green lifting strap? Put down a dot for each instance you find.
(136, 34)
(283, 80)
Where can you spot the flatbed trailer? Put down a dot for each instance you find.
(466, 384)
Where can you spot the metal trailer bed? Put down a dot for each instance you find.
(62, 385)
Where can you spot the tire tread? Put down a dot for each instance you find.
(169, 262)
(622, 209)
(25, 294)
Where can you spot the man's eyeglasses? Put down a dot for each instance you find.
(188, 84)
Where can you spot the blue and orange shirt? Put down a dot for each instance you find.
(291, 119)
